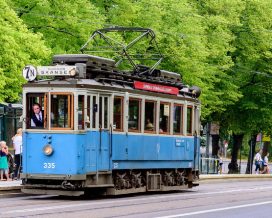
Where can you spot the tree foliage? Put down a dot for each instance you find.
(19, 47)
(222, 46)
(65, 25)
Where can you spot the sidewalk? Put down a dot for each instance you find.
(10, 185)
(233, 176)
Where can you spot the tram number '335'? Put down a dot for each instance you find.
(49, 165)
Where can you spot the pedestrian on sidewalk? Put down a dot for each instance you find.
(220, 164)
(265, 163)
(3, 160)
(258, 162)
(17, 141)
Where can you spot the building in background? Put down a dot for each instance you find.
(9, 121)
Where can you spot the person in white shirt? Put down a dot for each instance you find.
(37, 117)
(18, 149)
(258, 161)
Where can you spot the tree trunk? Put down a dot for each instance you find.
(237, 143)
(252, 146)
(215, 145)
(265, 148)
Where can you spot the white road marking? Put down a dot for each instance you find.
(130, 200)
(216, 210)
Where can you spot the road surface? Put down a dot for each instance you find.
(246, 198)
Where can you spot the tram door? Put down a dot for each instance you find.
(104, 133)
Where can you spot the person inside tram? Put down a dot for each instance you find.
(37, 117)
(149, 125)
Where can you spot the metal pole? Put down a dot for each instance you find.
(240, 161)
(250, 161)
(207, 146)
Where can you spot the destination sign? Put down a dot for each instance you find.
(156, 88)
(58, 70)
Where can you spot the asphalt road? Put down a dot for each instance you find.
(231, 198)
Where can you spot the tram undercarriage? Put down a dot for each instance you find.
(117, 182)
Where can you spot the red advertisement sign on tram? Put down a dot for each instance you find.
(156, 88)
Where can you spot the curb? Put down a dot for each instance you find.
(234, 176)
(10, 188)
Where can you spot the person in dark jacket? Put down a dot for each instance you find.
(37, 117)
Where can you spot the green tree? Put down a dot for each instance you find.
(194, 41)
(65, 25)
(19, 47)
(252, 72)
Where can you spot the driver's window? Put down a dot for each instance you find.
(36, 110)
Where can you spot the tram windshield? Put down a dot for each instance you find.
(54, 110)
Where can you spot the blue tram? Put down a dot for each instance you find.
(106, 130)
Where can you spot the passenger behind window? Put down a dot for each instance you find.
(37, 117)
(149, 126)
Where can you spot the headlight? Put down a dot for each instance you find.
(73, 72)
(47, 150)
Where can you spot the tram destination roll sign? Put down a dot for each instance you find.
(58, 70)
(30, 72)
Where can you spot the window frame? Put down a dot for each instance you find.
(169, 117)
(190, 133)
(155, 116)
(82, 111)
(102, 107)
(43, 102)
(139, 115)
(121, 113)
(182, 119)
(70, 110)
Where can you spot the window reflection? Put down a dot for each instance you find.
(164, 117)
(189, 120)
(134, 114)
(80, 112)
(118, 113)
(178, 121)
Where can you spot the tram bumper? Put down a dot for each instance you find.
(51, 192)
(53, 176)
(67, 185)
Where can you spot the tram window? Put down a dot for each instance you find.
(100, 112)
(61, 111)
(80, 112)
(36, 111)
(164, 117)
(150, 116)
(178, 121)
(189, 119)
(106, 113)
(88, 125)
(134, 115)
(103, 112)
(94, 112)
(118, 113)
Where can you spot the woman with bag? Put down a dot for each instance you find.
(4, 160)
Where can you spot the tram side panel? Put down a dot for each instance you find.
(152, 152)
(68, 157)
